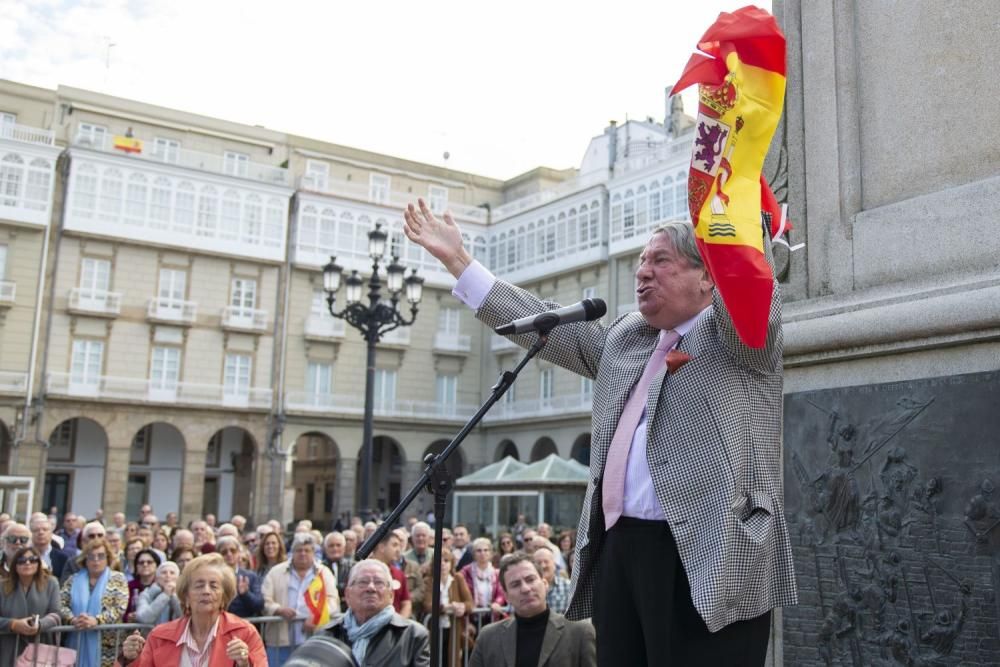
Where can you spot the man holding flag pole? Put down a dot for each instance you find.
(682, 548)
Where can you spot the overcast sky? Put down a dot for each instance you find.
(503, 87)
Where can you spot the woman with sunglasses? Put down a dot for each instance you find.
(96, 595)
(144, 566)
(29, 604)
(505, 547)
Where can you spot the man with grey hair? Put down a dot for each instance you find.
(664, 495)
(41, 539)
(339, 563)
(16, 536)
(249, 600)
(92, 531)
(377, 635)
(421, 537)
(285, 590)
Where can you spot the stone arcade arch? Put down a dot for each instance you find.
(75, 464)
(155, 469)
(314, 477)
(229, 473)
(581, 449)
(507, 448)
(387, 473)
(543, 447)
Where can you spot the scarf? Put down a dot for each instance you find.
(484, 584)
(360, 635)
(86, 601)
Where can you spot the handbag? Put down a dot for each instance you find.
(46, 655)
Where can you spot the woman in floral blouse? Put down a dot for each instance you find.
(96, 595)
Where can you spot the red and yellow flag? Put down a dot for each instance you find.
(741, 77)
(315, 596)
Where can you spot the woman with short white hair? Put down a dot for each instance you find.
(159, 603)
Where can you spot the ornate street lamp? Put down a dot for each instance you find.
(373, 319)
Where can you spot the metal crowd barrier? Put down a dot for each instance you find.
(476, 620)
(121, 631)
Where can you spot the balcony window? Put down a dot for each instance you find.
(95, 136)
(3, 261)
(437, 198)
(546, 385)
(319, 379)
(167, 150)
(317, 175)
(230, 228)
(586, 389)
(236, 379)
(95, 280)
(235, 164)
(681, 196)
(385, 388)
(446, 392)
(378, 188)
(164, 372)
(448, 321)
(7, 119)
(85, 366)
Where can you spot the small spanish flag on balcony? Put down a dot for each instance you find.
(741, 77)
(126, 144)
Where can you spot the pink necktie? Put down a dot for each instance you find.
(613, 487)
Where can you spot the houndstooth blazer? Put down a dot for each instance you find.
(713, 439)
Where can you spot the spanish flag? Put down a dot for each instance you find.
(741, 77)
(315, 596)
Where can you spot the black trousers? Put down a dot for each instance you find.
(643, 612)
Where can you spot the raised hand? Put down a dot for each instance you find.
(440, 237)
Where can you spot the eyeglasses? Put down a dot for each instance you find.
(28, 560)
(94, 558)
(95, 536)
(146, 562)
(17, 539)
(365, 583)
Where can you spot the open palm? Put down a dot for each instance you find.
(441, 237)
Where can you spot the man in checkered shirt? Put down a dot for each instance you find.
(682, 548)
(559, 586)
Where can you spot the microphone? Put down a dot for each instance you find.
(583, 311)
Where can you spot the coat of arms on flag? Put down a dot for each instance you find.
(741, 77)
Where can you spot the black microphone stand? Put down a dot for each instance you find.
(438, 481)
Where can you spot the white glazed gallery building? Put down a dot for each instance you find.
(164, 336)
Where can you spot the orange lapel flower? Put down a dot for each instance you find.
(676, 359)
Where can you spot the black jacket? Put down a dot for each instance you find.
(401, 643)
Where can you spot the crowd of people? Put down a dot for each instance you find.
(205, 589)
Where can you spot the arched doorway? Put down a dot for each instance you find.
(543, 447)
(456, 462)
(229, 466)
(387, 473)
(155, 469)
(507, 448)
(581, 449)
(314, 476)
(74, 469)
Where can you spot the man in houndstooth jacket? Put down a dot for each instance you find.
(700, 554)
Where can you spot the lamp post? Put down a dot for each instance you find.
(372, 320)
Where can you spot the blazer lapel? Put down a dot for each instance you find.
(509, 643)
(553, 633)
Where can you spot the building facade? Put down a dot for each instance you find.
(165, 335)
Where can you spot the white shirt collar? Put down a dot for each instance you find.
(684, 327)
